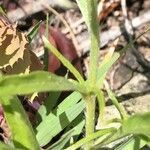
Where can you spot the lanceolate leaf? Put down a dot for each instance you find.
(138, 124)
(61, 143)
(36, 82)
(102, 70)
(3, 146)
(66, 137)
(22, 133)
(83, 5)
(34, 31)
(2, 11)
(90, 137)
(132, 143)
(69, 101)
(64, 60)
(89, 12)
(56, 121)
(48, 105)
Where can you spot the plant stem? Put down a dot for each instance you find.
(95, 44)
(90, 119)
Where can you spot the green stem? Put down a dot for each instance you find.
(90, 118)
(91, 137)
(95, 44)
(101, 104)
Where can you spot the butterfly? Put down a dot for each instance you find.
(15, 52)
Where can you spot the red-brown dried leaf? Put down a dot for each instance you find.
(65, 46)
(53, 62)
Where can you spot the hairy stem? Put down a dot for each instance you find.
(90, 119)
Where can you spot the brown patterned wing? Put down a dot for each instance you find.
(14, 49)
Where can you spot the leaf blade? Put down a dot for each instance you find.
(56, 122)
(137, 125)
(19, 124)
(64, 61)
(38, 81)
(34, 31)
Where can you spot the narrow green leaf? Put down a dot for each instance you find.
(2, 11)
(78, 125)
(61, 143)
(4, 146)
(132, 143)
(69, 101)
(138, 124)
(65, 61)
(31, 35)
(66, 137)
(90, 137)
(22, 133)
(107, 63)
(119, 107)
(89, 11)
(36, 82)
(83, 5)
(78, 128)
(102, 70)
(56, 121)
(48, 105)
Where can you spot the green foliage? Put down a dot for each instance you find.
(135, 125)
(34, 31)
(4, 146)
(64, 61)
(61, 143)
(133, 142)
(57, 119)
(18, 123)
(2, 11)
(55, 122)
(36, 82)
(89, 12)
